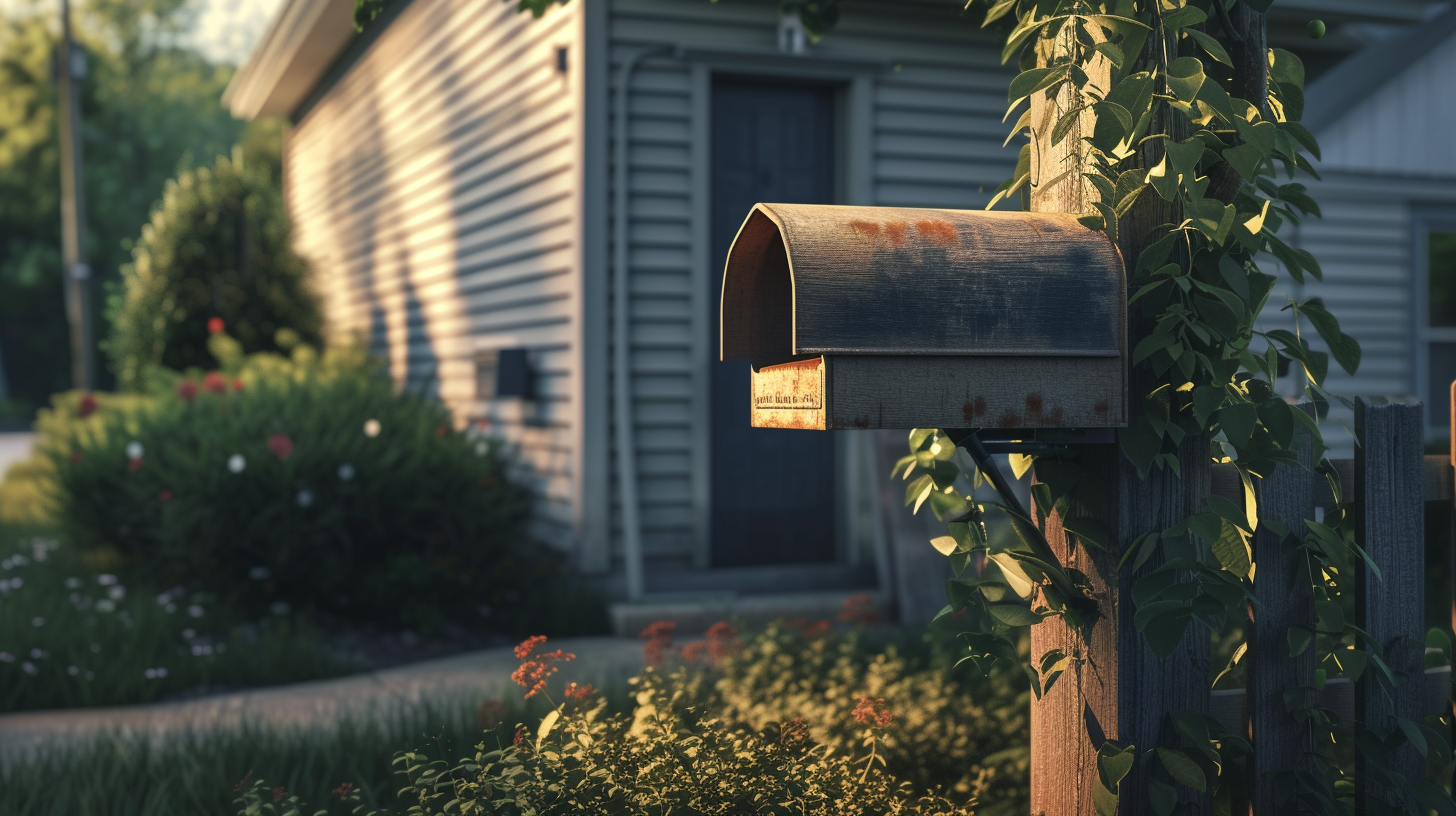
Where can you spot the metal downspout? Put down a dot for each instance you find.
(622, 353)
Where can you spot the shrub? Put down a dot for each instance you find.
(306, 481)
(217, 248)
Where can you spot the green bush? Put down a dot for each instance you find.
(958, 731)
(217, 249)
(667, 757)
(303, 480)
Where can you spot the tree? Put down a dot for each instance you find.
(147, 105)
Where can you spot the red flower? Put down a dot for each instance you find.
(693, 652)
(533, 673)
(579, 692)
(134, 465)
(811, 630)
(241, 782)
(214, 382)
(529, 645)
(87, 406)
(280, 445)
(215, 325)
(237, 384)
(278, 792)
(344, 789)
(442, 429)
(859, 610)
(659, 640)
(723, 641)
(187, 390)
(76, 456)
(164, 494)
(520, 736)
(873, 712)
(793, 731)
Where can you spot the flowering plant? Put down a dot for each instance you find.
(309, 468)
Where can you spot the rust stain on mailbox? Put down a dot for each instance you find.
(789, 395)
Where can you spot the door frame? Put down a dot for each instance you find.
(854, 184)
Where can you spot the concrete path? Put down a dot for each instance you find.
(599, 660)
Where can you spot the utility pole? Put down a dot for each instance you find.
(76, 273)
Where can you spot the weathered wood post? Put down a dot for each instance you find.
(1281, 744)
(1390, 525)
(1119, 689)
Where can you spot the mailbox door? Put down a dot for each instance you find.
(772, 491)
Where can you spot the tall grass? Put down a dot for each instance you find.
(123, 774)
(70, 637)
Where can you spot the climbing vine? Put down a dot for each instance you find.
(1181, 143)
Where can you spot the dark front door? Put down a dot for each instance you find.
(772, 490)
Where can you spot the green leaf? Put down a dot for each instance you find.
(1183, 770)
(1014, 615)
(1185, 77)
(1163, 797)
(547, 722)
(1413, 734)
(1115, 761)
(1346, 349)
(1210, 45)
(1104, 800)
(1026, 82)
(1432, 797)
(945, 545)
(1231, 549)
(1299, 640)
(1184, 17)
(1237, 422)
(1285, 67)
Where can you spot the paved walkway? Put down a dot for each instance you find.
(324, 702)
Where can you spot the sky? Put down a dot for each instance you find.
(226, 30)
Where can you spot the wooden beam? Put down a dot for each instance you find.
(1282, 745)
(1390, 525)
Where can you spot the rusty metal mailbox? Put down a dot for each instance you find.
(876, 317)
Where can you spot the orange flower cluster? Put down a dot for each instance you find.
(534, 671)
(873, 712)
(278, 794)
(794, 731)
(579, 692)
(344, 789)
(859, 610)
(659, 641)
(723, 641)
(809, 629)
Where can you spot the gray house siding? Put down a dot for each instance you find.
(1382, 168)
(435, 185)
(923, 95)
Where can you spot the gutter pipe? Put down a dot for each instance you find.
(622, 352)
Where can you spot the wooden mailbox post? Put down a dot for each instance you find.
(877, 317)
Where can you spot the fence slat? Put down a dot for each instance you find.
(1389, 523)
(1281, 585)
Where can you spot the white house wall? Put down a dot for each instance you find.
(935, 140)
(435, 188)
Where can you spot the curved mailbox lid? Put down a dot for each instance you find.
(813, 279)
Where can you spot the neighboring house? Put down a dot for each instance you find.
(1386, 122)
(470, 182)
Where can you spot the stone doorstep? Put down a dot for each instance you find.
(695, 612)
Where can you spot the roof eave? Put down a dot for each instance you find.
(301, 42)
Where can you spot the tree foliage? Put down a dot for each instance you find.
(146, 105)
(217, 248)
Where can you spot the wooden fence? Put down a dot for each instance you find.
(1387, 485)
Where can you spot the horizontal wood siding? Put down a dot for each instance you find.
(1365, 244)
(936, 136)
(434, 187)
(1403, 127)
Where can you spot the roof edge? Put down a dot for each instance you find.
(302, 40)
(1331, 96)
